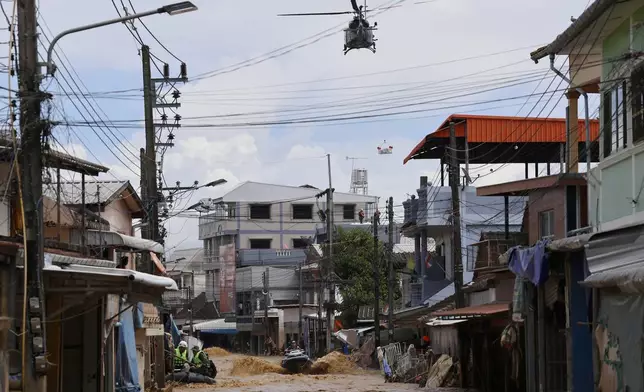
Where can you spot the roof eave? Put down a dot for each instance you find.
(590, 14)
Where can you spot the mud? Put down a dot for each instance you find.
(346, 377)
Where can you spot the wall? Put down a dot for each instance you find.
(554, 199)
(281, 228)
(118, 214)
(618, 201)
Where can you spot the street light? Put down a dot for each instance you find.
(220, 181)
(172, 9)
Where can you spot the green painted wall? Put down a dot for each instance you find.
(617, 188)
(615, 45)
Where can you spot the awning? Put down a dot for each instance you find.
(84, 279)
(59, 259)
(474, 311)
(437, 322)
(218, 326)
(616, 259)
(118, 240)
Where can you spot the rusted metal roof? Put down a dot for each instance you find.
(502, 130)
(474, 311)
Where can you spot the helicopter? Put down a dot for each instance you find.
(359, 34)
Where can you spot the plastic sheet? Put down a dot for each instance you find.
(127, 374)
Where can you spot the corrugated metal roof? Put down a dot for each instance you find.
(503, 129)
(216, 325)
(191, 259)
(474, 311)
(70, 192)
(585, 20)
(257, 192)
(436, 322)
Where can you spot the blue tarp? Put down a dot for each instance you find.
(530, 263)
(171, 328)
(127, 373)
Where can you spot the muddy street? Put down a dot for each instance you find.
(239, 373)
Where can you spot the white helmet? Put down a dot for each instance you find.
(183, 344)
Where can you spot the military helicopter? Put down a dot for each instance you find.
(359, 34)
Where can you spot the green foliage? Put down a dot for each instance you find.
(353, 255)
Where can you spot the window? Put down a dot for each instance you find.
(260, 211)
(547, 223)
(232, 210)
(300, 243)
(349, 211)
(637, 103)
(614, 119)
(303, 211)
(260, 243)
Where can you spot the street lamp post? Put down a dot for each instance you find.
(172, 9)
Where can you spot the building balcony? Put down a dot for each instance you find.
(214, 225)
(486, 254)
(272, 257)
(177, 299)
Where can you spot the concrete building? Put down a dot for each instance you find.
(428, 217)
(257, 216)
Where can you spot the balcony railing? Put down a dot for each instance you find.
(255, 257)
(485, 254)
(416, 293)
(178, 298)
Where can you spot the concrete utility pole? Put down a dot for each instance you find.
(455, 184)
(31, 129)
(301, 298)
(390, 262)
(149, 166)
(376, 278)
(330, 310)
(266, 293)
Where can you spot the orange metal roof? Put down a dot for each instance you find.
(503, 129)
(475, 311)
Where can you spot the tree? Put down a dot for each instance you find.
(353, 255)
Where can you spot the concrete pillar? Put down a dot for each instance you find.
(573, 131)
(417, 256)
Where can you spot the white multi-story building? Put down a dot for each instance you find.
(256, 216)
(270, 225)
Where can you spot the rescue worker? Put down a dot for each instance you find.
(202, 364)
(181, 356)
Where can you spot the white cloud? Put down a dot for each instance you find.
(299, 152)
(225, 33)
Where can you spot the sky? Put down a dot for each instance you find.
(248, 67)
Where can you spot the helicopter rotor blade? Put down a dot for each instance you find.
(318, 13)
(354, 5)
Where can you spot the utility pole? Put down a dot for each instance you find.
(455, 184)
(31, 129)
(301, 297)
(100, 223)
(149, 166)
(266, 288)
(330, 310)
(390, 262)
(376, 278)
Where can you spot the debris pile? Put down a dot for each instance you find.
(216, 352)
(333, 363)
(252, 366)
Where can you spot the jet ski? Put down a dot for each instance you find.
(296, 361)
